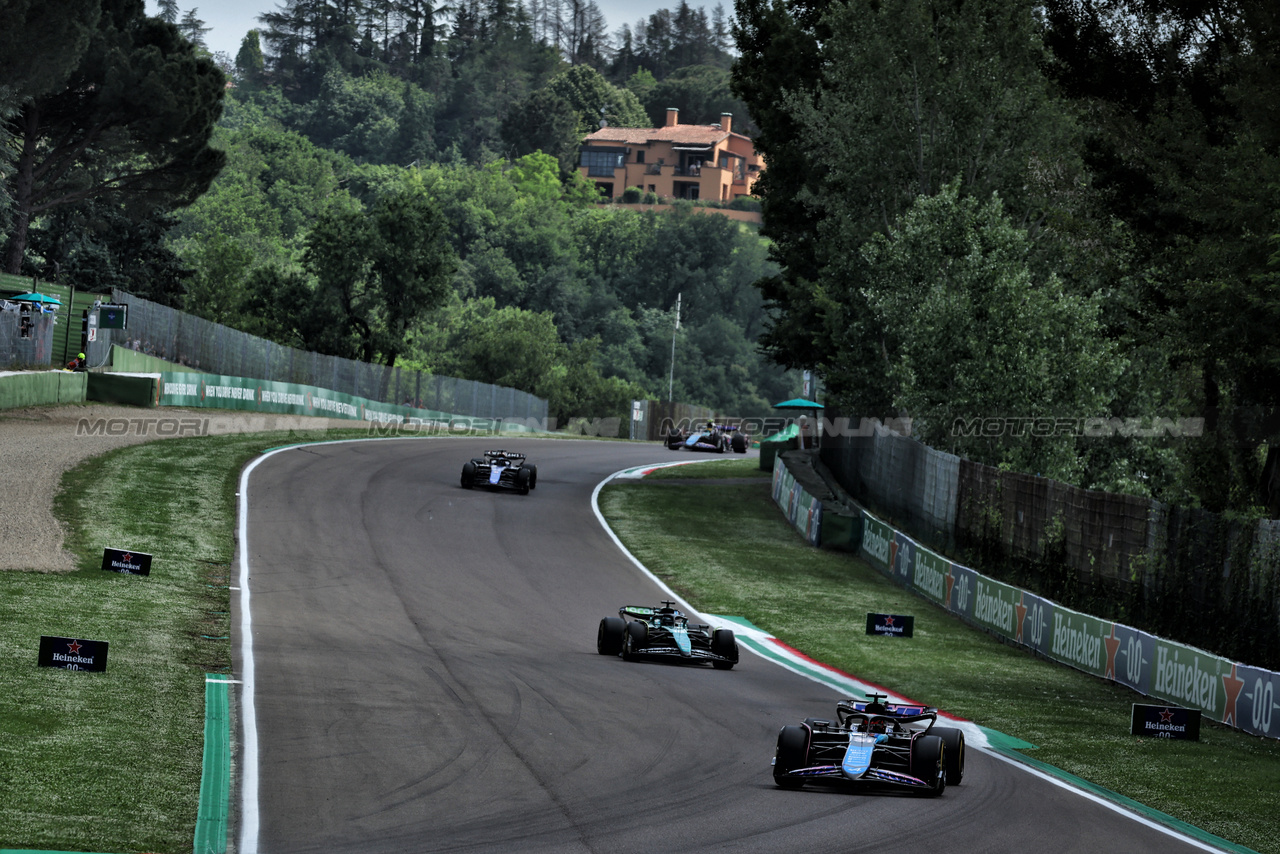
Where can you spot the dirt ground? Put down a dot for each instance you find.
(38, 444)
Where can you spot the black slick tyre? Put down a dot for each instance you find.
(609, 637)
(468, 474)
(637, 638)
(792, 753)
(928, 763)
(724, 645)
(533, 475)
(953, 753)
(522, 481)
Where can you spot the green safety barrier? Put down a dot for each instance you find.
(129, 391)
(218, 391)
(42, 388)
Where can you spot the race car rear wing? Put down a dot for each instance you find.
(851, 713)
(511, 455)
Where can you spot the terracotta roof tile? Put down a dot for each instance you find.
(679, 134)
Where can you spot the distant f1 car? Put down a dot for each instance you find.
(871, 742)
(714, 437)
(664, 632)
(500, 470)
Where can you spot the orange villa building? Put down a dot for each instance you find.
(677, 161)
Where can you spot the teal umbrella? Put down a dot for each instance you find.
(801, 403)
(36, 298)
(798, 403)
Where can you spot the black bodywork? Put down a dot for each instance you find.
(665, 633)
(500, 470)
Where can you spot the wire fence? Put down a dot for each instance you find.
(203, 345)
(1201, 578)
(26, 340)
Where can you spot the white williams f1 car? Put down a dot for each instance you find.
(500, 470)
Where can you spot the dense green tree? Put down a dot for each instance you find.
(382, 268)
(1183, 144)
(132, 121)
(970, 330)
(169, 11)
(544, 122)
(98, 245)
(193, 29)
(595, 99)
(251, 66)
(40, 44)
(910, 94)
(701, 93)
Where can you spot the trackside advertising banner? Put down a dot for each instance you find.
(224, 392)
(1236, 694)
(802, 510)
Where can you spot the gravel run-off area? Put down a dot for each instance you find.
(38, 444)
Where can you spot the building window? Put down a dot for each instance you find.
(640, 156)
(602, 163)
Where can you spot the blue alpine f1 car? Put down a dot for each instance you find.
(665, 633)
(717, 438)
(895, 746)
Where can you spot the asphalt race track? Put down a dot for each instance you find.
(425, 679)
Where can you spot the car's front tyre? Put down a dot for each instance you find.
(724, 645)
(953, 742)
(928, 763)
(468, 474)
(610, 637)
(792, 753)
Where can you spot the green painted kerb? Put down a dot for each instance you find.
(215, 777)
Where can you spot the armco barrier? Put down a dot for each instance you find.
(216, 391)
(1235, 694)
(41, 388)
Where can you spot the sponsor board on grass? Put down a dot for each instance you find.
(1165, 722)
(125, 561)
(891, 625)
(72, 653)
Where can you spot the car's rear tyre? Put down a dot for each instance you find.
(739, 443)
(533, 475)
(636, 640)
(953, 741)
(609, 638)
(522, 481)
(724, 645)
(928, 763)
(468, 474)
(793, 753)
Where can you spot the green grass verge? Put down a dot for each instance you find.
(754, 565)
(111, 761)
